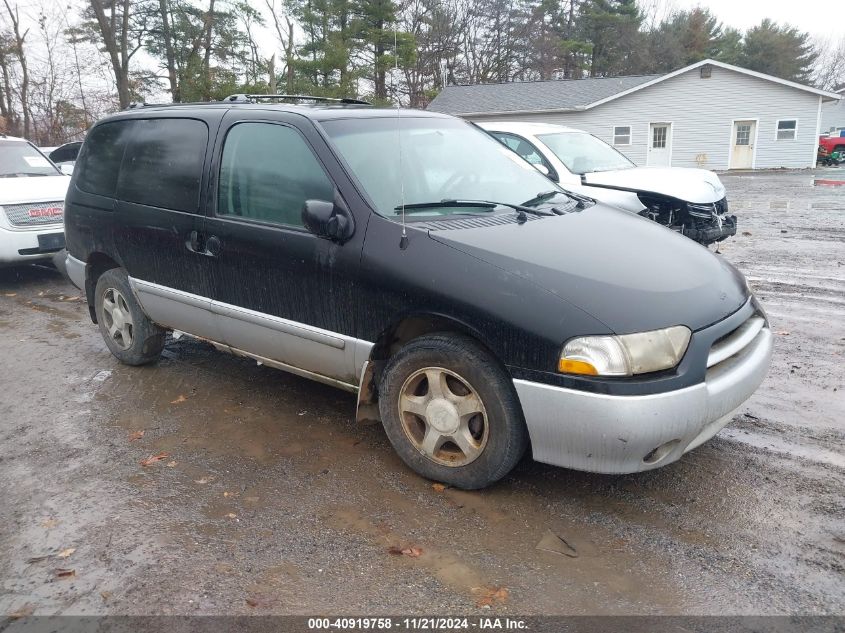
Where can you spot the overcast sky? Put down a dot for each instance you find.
(825, 18)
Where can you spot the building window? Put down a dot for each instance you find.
(658, 136)
(787, 130)
(622, 135)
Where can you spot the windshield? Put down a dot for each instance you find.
(20, 159)
(442, 159)
(583, 153)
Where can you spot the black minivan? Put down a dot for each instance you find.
(474, 307)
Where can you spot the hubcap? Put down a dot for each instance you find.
(443, 416)
(117, 318)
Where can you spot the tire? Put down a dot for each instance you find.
(480, 432)
(130, 336)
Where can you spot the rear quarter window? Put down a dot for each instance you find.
(163, 164)
(99, 163)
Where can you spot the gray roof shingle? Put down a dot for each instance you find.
(528, 96)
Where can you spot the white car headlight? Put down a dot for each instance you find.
(625, 355)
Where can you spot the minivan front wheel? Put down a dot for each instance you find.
(128, 332)
(451, 412)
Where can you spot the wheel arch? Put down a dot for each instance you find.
(400, 332)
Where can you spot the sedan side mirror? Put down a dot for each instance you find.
(331, 220)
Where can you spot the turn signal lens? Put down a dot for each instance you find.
(568, 366)
(625, 355)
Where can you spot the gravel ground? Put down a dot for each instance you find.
(272, 500)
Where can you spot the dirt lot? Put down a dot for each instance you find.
(272, 500)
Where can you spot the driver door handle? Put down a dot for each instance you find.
(198, 243)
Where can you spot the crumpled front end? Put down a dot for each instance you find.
(705, 223)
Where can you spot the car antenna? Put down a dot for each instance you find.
(403, 241)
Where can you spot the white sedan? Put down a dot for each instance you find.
(689, 201)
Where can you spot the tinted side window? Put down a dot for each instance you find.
(101, 156)
(163, 164)
(267, 172)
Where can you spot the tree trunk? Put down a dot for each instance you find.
(24, 87)
(206, 60)
(107, 32)
(168, 50)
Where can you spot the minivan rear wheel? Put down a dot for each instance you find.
(129, 334)
(451, 412)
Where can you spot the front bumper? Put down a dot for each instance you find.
(22, 246)
(712, 234)
(625, 434)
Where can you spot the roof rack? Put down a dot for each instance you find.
(254, 98)
(135, 105)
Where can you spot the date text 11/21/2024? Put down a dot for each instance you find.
(417, 624)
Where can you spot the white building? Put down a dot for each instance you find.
(708, 114)
(833, 116)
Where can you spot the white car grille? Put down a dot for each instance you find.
(35, 213)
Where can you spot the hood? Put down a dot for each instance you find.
(698, 186)
(33, 189)
(630, 273)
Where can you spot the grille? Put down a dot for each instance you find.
(707, 210)
(734, 342)
(35, 213)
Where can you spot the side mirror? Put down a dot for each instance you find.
(66, 169)
(542, 169)
(331, 220)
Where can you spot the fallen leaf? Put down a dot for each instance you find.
(171, 464)
(63, 572)
(201, 481)
(488, 596)
(252, 602)
(551, 542)
(439, 487)
(232, 515)
(49, 523)
(747, 233)
(783, 333)
(11, 294)
(105, 595)
(23, 612)
(411, 552)
(154, 458)
(137, 435)
(66, 552)
(181, 398)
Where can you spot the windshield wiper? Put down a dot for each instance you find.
(422, 206)
(489, 205)
(579, 201)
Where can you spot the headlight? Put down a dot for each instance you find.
(625, 355)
